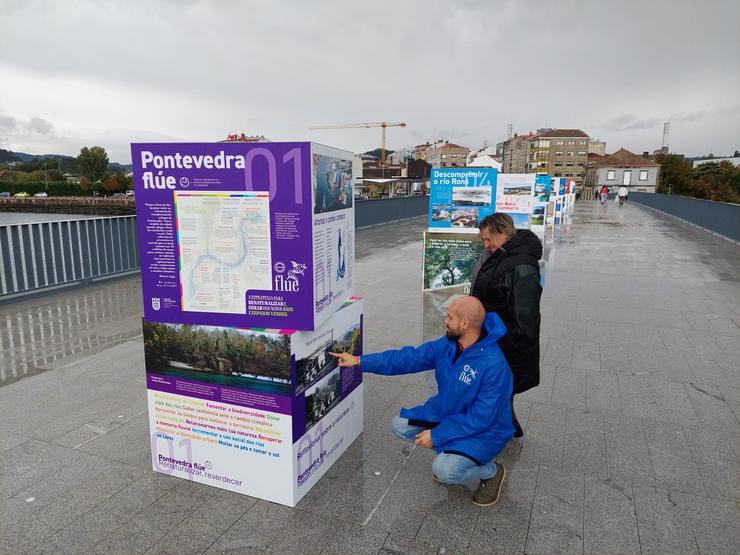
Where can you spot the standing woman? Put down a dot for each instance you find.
(506, 279)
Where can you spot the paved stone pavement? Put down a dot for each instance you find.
(631, 441)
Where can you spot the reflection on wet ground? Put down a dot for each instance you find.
(47, 332)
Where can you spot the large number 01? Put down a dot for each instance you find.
(293, 155)
(188, 456)
(306, 439)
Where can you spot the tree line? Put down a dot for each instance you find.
(93, 168)
(719, 181)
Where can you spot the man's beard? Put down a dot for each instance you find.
(453, 336)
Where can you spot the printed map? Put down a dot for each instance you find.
(223, 249)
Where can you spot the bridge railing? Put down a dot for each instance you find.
(722, 218)
(374, 212)
(47, 255)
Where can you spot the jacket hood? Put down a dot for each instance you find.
(523, 243)
(494, 326)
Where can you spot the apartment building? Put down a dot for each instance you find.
(514, 153)
(597, 147)
(447, 155)
(559, 153)
(420, 152)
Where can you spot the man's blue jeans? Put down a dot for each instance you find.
(447, 467)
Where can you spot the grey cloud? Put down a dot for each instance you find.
(7, 124)
(12, 127)
(41, 126)
(626, 122)
(458, 70)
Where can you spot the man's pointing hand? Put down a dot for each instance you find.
(346, 359)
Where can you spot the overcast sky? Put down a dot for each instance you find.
(80, 73)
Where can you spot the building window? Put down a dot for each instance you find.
(558, 153)
(569, 164)
(557, 174)
(611, 175)
(571, 143)
(643, 175)
(559, 143)
(568, 175)
(582, 153)
(444, 156)
(583, 143)
(558, 164)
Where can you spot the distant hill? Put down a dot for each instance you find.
(8, 156)
(375, 153)
(116, 167)
(67, 161)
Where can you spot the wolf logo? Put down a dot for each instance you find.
(296, 271)
(156, 303)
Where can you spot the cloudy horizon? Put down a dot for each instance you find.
(111, 73)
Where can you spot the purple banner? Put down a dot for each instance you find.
(220, 393)
(225, 232)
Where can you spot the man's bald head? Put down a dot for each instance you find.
(471, 309)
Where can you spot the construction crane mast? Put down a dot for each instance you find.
(381, 124)
(666, 131)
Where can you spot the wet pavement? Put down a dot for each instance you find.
(631, 441)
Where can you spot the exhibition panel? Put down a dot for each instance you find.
(247, 261)
(244, 234)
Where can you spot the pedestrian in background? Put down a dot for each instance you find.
(622, 195)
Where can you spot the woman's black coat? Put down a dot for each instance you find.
(507, 282)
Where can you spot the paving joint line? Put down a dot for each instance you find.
(382, 497)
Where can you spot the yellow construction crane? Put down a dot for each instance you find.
(381, 124)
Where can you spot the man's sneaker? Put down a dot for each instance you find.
(489, 490)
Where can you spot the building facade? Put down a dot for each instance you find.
(734, 160)
(514, 153)
(559, 153)
(621, 169)
(420, 152)
(447, 155)
(597, 147)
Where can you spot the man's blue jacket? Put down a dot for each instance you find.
(473, 391)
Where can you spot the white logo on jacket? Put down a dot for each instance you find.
(467, 375)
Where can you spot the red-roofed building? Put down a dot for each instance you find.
(621, 169)
(447, 155)
(420, 152)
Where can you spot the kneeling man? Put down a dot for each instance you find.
(468, 422)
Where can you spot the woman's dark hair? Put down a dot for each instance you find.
(498, 223)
